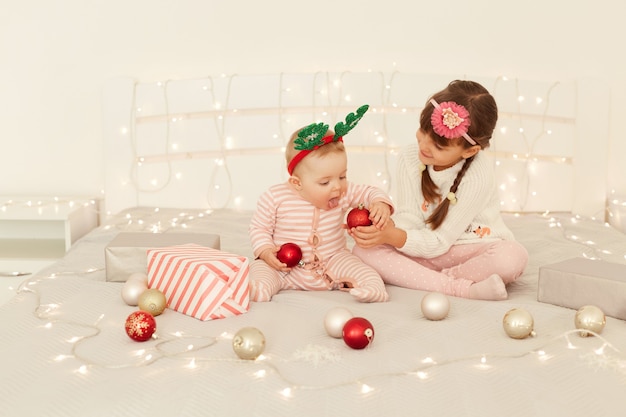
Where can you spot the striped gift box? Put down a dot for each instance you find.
(199, 281)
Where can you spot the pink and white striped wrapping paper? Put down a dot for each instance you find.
(199, 281)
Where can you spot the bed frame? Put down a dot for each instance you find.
(218, 141)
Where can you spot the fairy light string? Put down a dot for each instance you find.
(139, 159)
(531, 120)
(44, 202)
(221, 164)
(520, 189)
(595, 352)
(530, 144)
(385, 173)
(193, 351)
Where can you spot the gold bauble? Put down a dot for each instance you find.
(153, 301)
(590, 318)
(249, 343)
(518, 323)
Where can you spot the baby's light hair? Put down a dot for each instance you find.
(331, 147)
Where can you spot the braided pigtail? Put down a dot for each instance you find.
(462, 114)
(430, 191)
(436, 219)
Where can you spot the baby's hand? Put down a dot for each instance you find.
(270, 258)
(379, 214)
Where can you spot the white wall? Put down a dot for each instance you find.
(55, 56)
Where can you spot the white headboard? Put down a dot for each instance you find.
(218, 141)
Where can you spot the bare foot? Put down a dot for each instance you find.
(492, 288)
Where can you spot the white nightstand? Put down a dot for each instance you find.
(36, 231)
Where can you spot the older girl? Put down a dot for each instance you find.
(447, 233)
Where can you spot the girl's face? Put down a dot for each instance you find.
(441, 157)
(322, 180)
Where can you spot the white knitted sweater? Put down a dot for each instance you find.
(474, 218)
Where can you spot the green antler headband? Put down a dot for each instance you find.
(352, 119)
(314, 135)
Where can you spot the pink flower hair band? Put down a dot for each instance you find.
(450, 120)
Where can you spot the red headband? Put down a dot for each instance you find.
(314, 135)
(300, 155)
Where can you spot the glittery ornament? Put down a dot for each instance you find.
(249, 343)
(435, 306)
(358, 216)
(132, 289)
(314, 135)
(153, 301)
(590, 318)
(140, 326)
(290, 254)
(335, 319)
(358, 333)
(342, 129)
(518, 323)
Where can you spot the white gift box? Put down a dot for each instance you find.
(578, 282)
(201, 282)
(127, 253)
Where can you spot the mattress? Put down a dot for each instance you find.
(64, 350)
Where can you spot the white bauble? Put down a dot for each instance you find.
(335, 319)
(435, 306)
(132, 289)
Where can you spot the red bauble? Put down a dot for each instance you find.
(358, 333)
(290, 254)
(140, 326)
(358, 216)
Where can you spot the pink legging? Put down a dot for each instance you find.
(451, 273)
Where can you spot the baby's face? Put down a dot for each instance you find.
(323, 179)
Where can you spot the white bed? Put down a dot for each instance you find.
(193, 155)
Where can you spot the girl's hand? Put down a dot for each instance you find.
(380, 213)
(269, 256)
(370, 236)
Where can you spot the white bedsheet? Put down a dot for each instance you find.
(64, 351)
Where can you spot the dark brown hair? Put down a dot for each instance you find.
(483, 114)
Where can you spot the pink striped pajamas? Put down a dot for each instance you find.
(283, 216)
